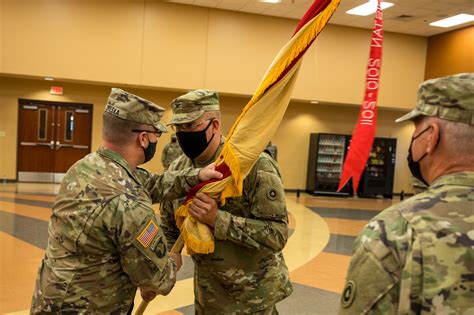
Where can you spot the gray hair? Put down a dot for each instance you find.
(216, 114)
(456, 136)
(459, 137)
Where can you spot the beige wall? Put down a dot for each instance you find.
(1, 36)
(292, 137)
(84, 40)
(450, 53)
(163, 45)
(160, 46)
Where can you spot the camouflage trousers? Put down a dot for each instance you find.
(269, 311)
(199, 310)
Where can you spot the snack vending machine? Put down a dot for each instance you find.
(378, 176)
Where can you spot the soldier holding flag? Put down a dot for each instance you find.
(247, 272)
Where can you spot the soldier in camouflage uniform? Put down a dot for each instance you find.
(247, 272)
(171, 152)
(417, 257)
(104, 240)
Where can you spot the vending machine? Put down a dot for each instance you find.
(378, 176)
(326, 158)
(327, 153)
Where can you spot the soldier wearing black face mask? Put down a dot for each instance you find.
(416, 257)
(250, 231)
(103, 232)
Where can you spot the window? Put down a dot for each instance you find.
(42, 124)
(69, 126)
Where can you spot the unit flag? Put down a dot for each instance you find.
(255, 126)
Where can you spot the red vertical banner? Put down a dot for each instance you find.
(364, 132)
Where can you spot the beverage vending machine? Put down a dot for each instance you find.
(327, 153)
(326, 157)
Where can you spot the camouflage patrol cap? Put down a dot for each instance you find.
(192, 105)
(131, 107)
(449, 98)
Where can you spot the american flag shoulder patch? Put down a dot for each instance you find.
(149, 232)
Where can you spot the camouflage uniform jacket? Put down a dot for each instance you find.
(104, 239)
(273, 151)
(417, 257)
(171, 152)
(247, 272)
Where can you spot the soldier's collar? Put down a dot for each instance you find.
(460, 178)
(117, 158)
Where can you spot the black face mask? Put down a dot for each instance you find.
(150, 151)
(414, 166)
(194, 143)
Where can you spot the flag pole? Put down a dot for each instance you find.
(177, 247)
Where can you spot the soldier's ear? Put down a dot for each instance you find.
(143, 139)
(433, 137)
(216, 124)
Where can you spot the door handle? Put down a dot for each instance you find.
(33, 144)
(60, 145)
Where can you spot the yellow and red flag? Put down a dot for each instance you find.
(255, 126)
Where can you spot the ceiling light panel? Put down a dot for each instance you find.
(454, 20)
(368, 8)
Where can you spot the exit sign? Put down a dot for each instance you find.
(56, 90)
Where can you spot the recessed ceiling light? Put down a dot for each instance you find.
(314, 102)
(271, 1)
(454, 20)
(368, 8)
(49, 79)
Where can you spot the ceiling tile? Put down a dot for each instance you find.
(206, 3)
(423, 11)
(182, 1)
(255, 7)
(229, 6)
(279, 9)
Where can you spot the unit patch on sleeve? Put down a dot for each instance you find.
(348, 294)
(149, 232)
(272, 193)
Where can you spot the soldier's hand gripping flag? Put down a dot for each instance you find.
(255, 126)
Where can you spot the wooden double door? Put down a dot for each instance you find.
(51, 138)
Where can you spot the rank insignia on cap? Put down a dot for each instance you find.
(148, 233)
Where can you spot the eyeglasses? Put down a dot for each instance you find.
(157, 133)
(189, 126)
